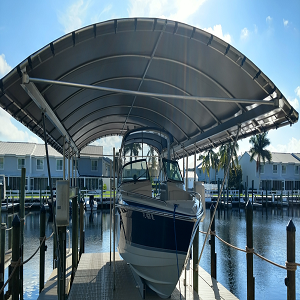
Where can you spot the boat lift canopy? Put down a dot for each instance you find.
(122, 74)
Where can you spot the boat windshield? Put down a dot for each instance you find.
(135, 171)
(172, 170)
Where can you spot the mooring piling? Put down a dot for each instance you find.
(16, 258)
(42, 247)
(249, 255)
(290, 280)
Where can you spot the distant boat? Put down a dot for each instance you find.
(157, 228)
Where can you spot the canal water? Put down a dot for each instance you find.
(269, 231)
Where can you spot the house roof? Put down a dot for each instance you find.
(38, 150)
(280, 157)
(128, 73)
(92, 150)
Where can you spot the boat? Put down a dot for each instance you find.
(157, 225)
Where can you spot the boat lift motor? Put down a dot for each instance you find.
(62, 202)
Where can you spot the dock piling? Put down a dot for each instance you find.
(15, 258)
(249, 229)
(290, 280)
(9, 225)
(2, 258)
(42, 248)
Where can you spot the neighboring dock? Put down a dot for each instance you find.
(94, 280)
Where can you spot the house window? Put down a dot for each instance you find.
(94, 165)
(262, 169)
(59, 165)
(283, 169)
(40, 164)
(275, 169)
(296, 170)
(1, 163)
(21, 163)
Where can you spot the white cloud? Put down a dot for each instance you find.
(294, 102)
(217, 31)
(285, 22)
(74, 16)
(108, 143)
(293, 146)
(268, 19)
(297, 91)
(10, 132)
(168, 9)
(99, 17)
(4, 66)
(244, 33)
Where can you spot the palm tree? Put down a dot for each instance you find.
(134, 149)
(224, 154)
(214, 160)
(259, 143)
(205, 164)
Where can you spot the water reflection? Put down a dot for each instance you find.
(269, 231)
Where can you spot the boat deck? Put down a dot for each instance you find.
(94, 280)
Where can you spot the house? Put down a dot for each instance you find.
(214, 175)
(14, 156)
(281, 173)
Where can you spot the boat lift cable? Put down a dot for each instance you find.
(220, 193)
(175, 206)
(51, 191)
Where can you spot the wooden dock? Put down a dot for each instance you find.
(94, 280)
(50, 289)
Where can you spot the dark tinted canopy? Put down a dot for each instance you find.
(201, 87)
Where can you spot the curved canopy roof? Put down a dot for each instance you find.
(149, 72)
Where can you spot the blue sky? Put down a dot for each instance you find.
(267, 32)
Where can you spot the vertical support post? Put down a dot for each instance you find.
(195, 260)
(213, 255)
(187, 173)
(110, 216)
(81, 229)
(22, 222)
(2, 258)
(54, 239)
(64, 158)
(252, 190)
(114, 221)
(72, 160)
(249, 229)
(15, 281)
(74, 236)
(1, 189)
(290, 280)
(62, 263)
(9, 224)
(42, 249)
(195, 165)
(69, 162)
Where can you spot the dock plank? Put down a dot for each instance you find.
(50, 289)
(94, 280)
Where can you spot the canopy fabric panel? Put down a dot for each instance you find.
(149, 56)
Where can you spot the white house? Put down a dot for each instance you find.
(281, 173)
